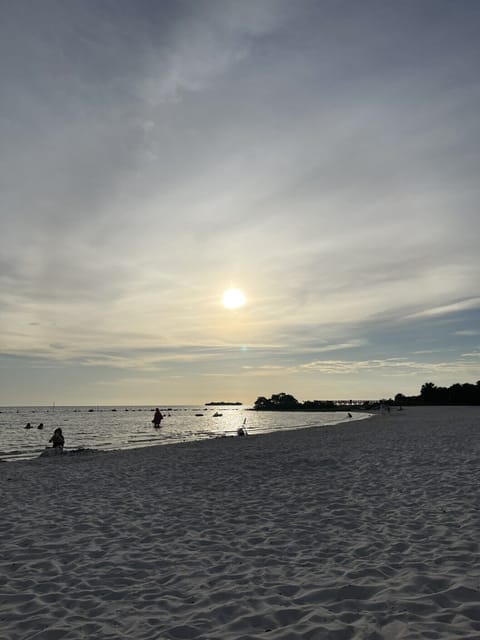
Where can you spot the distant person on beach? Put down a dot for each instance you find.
(57, 440)
(157, 418)
(242, 431)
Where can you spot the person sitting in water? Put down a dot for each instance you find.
(57, 440)
(157, 418)
(40, 426)
(28, 426)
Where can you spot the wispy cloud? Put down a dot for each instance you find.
(392, 367)
(468, 332)
(462, 305)
(325, 160)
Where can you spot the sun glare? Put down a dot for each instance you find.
(233, 299)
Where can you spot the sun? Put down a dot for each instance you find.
(233, 299)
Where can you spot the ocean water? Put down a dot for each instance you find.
(107, 428)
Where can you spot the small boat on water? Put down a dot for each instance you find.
(217, 415)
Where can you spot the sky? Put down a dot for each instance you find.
(321, 156)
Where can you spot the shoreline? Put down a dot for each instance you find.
(363, 529)
(86, 434)
(81, 452)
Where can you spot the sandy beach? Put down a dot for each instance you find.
(367, 530)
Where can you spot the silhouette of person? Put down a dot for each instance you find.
(157, 418)
(40, 426)
(57, 440)
(28, 426)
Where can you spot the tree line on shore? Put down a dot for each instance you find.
(287, 402)
(460, 394)
(430, 394)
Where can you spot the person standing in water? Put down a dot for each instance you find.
(57, 440)
(157, 418)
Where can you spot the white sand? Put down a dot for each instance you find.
(365, 530)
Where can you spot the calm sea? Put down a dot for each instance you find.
(107, 428)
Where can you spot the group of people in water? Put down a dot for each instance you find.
(29, 426)
(58, 440)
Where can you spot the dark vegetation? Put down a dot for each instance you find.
(462, 394)
(286, 402)
(430, 394)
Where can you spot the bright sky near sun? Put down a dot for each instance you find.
(233, 298)
(320, 158)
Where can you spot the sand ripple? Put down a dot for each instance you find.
(364, 531)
